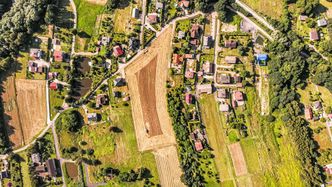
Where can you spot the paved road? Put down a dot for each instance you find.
(253, 13)
(253, 23)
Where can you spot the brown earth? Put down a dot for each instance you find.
(31, 99)
(144, 107)
(11, 115)
(239, 162)
(72, 170)
(146, 78)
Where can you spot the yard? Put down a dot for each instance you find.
(272, 8)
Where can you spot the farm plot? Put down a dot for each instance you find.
(238, 159)
(148, 92)
(31, 96)
(168, 166)
(272, 8)
(26, 119)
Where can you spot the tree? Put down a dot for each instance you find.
(220, 7)
(70, 120)
(50, 14)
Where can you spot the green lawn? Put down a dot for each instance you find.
(272, 8)
(25, 169)
(87, 15)
(250, 154)
(121, 19)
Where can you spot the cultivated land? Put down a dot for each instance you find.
(239, 162)
(141, 74)
(26, 119)
(272, 8)
(146, 78)
(31, 96)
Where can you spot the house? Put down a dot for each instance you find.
(56, 44)
(101, 99)
(224, 107)
(231, 59)
(117, 51)
(159, 5)
(189, 98)
(52, 167)
(105, 40)
(177, 59)
(58, 57)
(230, 44)
(189, 74)
(195, 31)
(314, 36)
(222, 93)
(4, 174)
(189, 56)
(52, 75)
(119, 82)
(181, 35)
(35, 53)
(317, 105)
(184, 4)
(92, 117)
(204, 88)
(35, 157)
(328, 169)
(237, 79)
(32, 67)
(208, 68)
(238, 98)
(198, 145)
(321, 22)
(261, 59)
(133, 43)
(308, 113)
(53, 86)
(194, 42)
(225, 79)
(152, 18)
(303, 18)
(207, 40)
(135, 13)
(40, 169)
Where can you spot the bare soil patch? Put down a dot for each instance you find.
(11, 115)
(72, 170)
(31, 99)
(142, 90)
(168, 166)
(146, 78)
(98, 2)
(239, 162)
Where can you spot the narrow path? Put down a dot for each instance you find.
(144, 7)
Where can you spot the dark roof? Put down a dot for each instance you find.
(52, 167)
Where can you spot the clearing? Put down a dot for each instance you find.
(239, 162)
(26, 120)
(272, 8)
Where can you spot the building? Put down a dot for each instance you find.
(208, 68)
(224, 107)
(40, 169)
(53, 86)
(225, 79)
(321, 22)
(52, 167)
(308, 113)
(204, 88)
(92, 117)
(105, 40)
(222, 93)
(35, 53)
(237, 79)
(198, 145)
(181, 35)
(117, 51)
(35, 158)
(230, 44)
(118, 82)
(152, 18)
(101, 99)
(317, 105)
(58, 57)
(52, 75)
(303, 18)
(189, 56)
(189, 98)
(314, 36)
(56, 44)
(207, 40)
(238, 98)
(177, 59)
(194, 42)
(195, 31)
(189, 74)
(159, 5)
(231, 59)
(135, 13)
(261, 59)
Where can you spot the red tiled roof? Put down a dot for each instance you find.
(198, 145)
(117, 51)
(58, 56)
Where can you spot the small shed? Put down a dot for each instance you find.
(135, 13)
